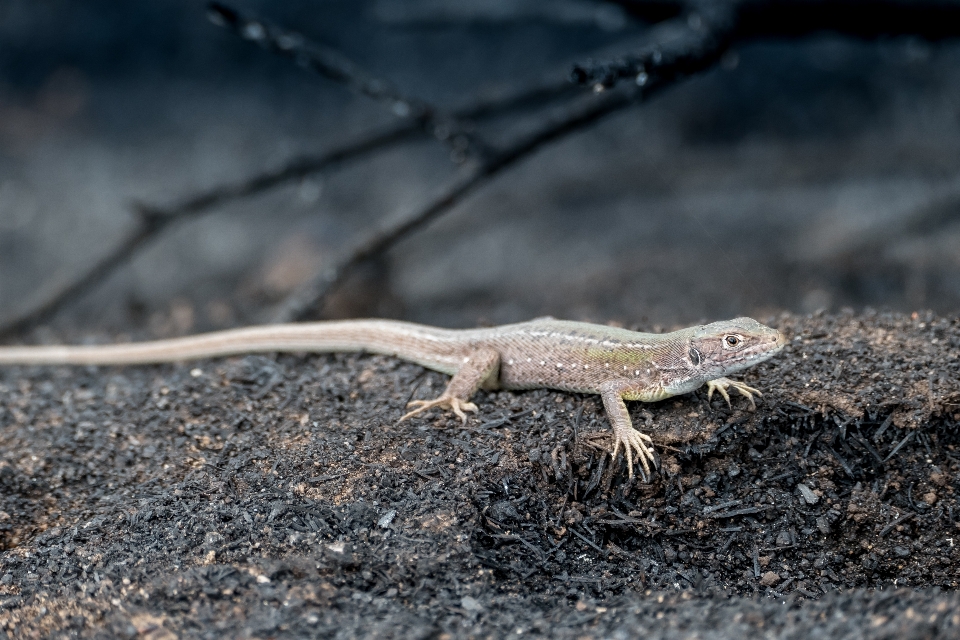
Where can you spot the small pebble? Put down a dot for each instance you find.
(386, 519)
(470, 604)
(808, 495)
(769, 579)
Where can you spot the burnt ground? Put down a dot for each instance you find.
(278, 497)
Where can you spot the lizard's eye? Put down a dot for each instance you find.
(732, 340)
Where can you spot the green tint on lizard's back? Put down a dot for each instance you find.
(570, 356)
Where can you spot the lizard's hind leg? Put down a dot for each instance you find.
(477, 368)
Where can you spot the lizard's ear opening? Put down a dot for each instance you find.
(695, 357)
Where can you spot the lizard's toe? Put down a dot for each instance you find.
(458, 406)
(747, 392)
(421, 406)
(639, 445)
(720, 385)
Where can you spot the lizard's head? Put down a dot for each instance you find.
(721, 348)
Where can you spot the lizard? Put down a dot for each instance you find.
(618, 364)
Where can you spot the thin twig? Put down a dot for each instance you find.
(890, 527)
(332, 64)
(899, 446)
(721, 506)
(708, 30)
(324, 60)
(585, 539)
(297, 168)
(843, 463)
(883, 427)
(746, 511)
(869, 447)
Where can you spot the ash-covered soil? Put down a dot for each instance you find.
(278, 497)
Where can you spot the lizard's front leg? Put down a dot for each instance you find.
(623, 432)
(720, 385)
(477, 368)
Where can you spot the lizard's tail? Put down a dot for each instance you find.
(431, 347)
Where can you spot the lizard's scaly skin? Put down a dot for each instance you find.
(545, 353)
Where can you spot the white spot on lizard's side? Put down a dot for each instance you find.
(586, 366)
(542, 362)
(637, 372)
(559, 366)
(510, 362)
(529, 359)
(466, 359)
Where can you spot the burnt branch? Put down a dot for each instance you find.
(737, 20)
(308, 300)
(156, 219)
(332, 64)
(149, 226)
(296, 169)
(690, 46)
(316, 57)
(698, 44)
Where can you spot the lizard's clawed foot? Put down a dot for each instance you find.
(458, 406)
(720, 385)
(634, 441)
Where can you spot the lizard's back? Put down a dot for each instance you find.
(545, 352)
(566, 355)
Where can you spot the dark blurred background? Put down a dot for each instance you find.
(799, 174)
